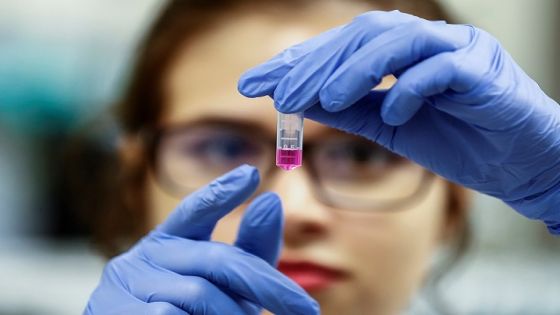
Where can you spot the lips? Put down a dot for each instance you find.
(311, 276)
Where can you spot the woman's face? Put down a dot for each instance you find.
(375, 260)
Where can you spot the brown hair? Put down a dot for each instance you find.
(182, 20)
(121, 217)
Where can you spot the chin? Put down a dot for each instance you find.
(348, 299)
(342, 299)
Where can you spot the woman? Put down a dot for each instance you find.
(360, 224)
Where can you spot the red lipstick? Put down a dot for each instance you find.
(311, 276)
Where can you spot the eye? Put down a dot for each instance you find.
(189, 157)
(359, 153)
(354, 158)
(222, 149)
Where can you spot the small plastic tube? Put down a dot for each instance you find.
(289, 141)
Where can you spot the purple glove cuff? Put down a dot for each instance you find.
(553, 227)
(545, 207)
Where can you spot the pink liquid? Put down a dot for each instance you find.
(288, 159)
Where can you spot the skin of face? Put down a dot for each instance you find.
(386, 255)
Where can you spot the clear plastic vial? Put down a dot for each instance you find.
(289, 141)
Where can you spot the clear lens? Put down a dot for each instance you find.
(355, 173)
(190, 159)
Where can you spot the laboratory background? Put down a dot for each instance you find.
(63, 63)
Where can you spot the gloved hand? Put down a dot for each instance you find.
(461, 107)
(176, 269)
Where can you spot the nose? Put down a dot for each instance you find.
(306, 219)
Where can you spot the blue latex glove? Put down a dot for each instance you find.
(176, 269)
(461, 107)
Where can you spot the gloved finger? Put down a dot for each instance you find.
(363, 118)
(196, 216)
(260, 231)
(397, 49)
(443, 73)
(192, 294)
(262, 79)
(407, 96)
(115, 301)
(230, 268)
(299, 88)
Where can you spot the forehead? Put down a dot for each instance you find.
(202, 81)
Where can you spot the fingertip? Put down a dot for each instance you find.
(244, 88)
(263, 79)
(278, 105)
(266, 209)
(293, 95)
(243, 170)
(250, 171)
(251, 87)
(285, 108)
(333, 106)
(240, 183)
(260, 80)
(399, 107)
(333, 98)
(390, 117)
(280, 99)
(394, 118)
(326, 100)
(269, 197)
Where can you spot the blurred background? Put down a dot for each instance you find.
(62, 65)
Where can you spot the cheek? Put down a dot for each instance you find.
(392, 251)
(227, 227)
(160, 202)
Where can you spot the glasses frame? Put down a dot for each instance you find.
(153, 140)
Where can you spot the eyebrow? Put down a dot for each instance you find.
(234, 122)
(223, 122)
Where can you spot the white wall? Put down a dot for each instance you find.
(527, 28)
